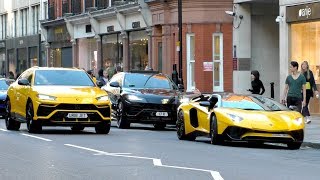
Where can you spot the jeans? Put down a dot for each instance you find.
(294, 101)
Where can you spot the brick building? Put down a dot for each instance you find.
(207, 42)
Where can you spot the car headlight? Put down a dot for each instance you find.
(235, 118)
(298, 121)
(103, 98)
(135, 98)
(46, 97)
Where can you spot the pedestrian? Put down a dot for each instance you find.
(256, 84)
(311, 88)
(11, 75)
(101, 77)
(90, 72)
(295, 82)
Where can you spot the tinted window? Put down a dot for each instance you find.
(4, 84)
(62, 78)
(152, 81)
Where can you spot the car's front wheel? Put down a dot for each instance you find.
(122, 122)
(181, 129)
(215, 137)
(11, 124)
(32, 125)
(103, 127)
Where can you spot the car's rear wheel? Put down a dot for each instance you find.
(215, 137)
(32, 125)
(294, 145)
(77, 128)
(159, 126)
(103, 127)
(122, 122)
(181, 133)
(11, 124)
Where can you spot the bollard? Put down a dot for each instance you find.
(175, 74)
(272, 89)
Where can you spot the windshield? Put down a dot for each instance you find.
(62, 78)
(4, 84)
(252, 103)
(151, 81)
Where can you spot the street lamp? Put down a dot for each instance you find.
(180, 39)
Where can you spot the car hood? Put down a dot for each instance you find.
(3, 94)
(266, 120)
(70, 91)
(158, 96)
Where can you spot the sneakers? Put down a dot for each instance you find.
(307, 120)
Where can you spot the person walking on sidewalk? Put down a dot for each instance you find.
(311, 89)
(256, 84)
(294, 84)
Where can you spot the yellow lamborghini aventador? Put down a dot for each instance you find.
(240, 118)
(58, 97)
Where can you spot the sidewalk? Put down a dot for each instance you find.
(312, 133)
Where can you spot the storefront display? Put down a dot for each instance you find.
(138, 50)
(112, 51)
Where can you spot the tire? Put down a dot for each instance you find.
(159, 126)
(103, 127)
(181, 128)
(215, 137)
(294, 145)
(11, 124)
(33, 126)
(122, 122)
(77, 128)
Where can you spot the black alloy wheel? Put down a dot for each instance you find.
(215, 137)
(32, 125)
(122, 122)
(103, 127)
(181, 128)
(11, 124)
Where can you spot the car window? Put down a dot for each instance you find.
(270, 104)
(4, 84)
(152, 81)
(62, 78)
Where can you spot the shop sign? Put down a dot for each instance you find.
(207, 66)
(303, 12)
(136, 25)
(110, 28)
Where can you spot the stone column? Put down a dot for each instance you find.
(149, 31)
(48, 55)
(126, 59)
(75, 61)
(167, 55)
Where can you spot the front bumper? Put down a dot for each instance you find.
(241, 134)
(57, 114)
(149, 113)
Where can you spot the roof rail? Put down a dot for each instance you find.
(144, 71)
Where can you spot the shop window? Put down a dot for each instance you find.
(112, 52)
(138, 48)
(217, 62)
(190, 62)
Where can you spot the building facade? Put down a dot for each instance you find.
(20, 39)
(94, 34)
(206, 42)
(299, 23)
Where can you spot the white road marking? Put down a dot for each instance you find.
(44, 139)
(98, 154)
(3, 130)
(156, 162)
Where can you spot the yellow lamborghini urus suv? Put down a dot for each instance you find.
(43, 96)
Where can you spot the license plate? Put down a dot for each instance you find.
(280, 135)
(77, 115)
(162, 114)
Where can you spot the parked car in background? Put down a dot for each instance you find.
(4, 85)
(249, 118)
(143, 97)
(44, 96)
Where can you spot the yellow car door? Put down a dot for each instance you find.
(23, 93)
(203, 120)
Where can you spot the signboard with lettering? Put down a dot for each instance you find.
(303, 12)
(207, 66)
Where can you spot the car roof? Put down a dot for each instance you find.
(56, 68)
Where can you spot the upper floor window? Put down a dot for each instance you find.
(3, 24)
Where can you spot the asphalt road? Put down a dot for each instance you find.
(143, 153)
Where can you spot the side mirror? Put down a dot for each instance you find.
(181, 87)
(115, 84)
(99, 84)
(23, 82)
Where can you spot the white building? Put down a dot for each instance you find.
(20, 39)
